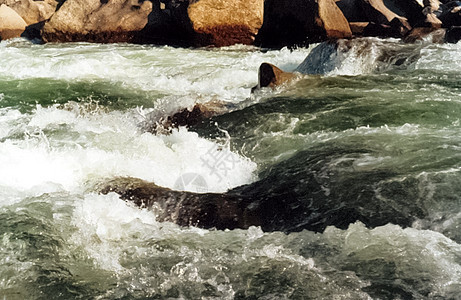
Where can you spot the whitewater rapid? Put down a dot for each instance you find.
(74, 115)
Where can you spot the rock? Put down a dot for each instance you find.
(453, 34)
(271, 76)
(299, 22)
(168, 23)
(11, 24)
(321, 60)
(432, 21)
(426, 33)
(451, 17)
(431, 6)
(277, 202)
(32, 11)
(352, 10)
(357, 28)
(378, 30)
(377, 12)
(332, 20)
(219, 211)
(185, 117)
(103, 21)
(226, 22)
(412, 10)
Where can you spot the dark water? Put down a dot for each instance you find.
(370, 148)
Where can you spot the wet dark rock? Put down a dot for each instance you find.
(397, 28)
(220, 211)
(300, 22)
(411, 10)
(352, 10)
(426, 33)
(452, 15)
(376, 11)
(184, 117)
(281, 201)
(453, 35)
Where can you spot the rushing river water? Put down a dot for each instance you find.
(375, 139)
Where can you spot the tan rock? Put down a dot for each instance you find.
(32, 11)
(11, 24)
(226, 22)
(97, 21)
(333, 20)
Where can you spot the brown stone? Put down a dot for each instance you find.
(357, 28)
(226, 22)
(11, 24)
(426, 33)
(97, 21)
(271, 76)
(332, 20)
(32, 11)
(432, 21)
(299, 22)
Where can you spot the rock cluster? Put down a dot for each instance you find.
(265, 23)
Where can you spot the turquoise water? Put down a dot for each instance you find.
(371, 144)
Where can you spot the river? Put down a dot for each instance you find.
(374, 138)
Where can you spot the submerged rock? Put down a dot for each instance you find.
(11, 24)
(185, 117)
(220, 211)
(103, 21)
(293, 196)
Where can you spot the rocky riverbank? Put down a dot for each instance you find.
(265, 23)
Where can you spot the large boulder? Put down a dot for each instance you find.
(377, 12)
(411, 9)
(226, 22)
(104, 21)
(352, 10)
(298, 22)
(32, 11)
(11, 24)
(451, 15)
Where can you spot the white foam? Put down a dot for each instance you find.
(108, 145)
(101, 229)
(224, 74)
(412, 252)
